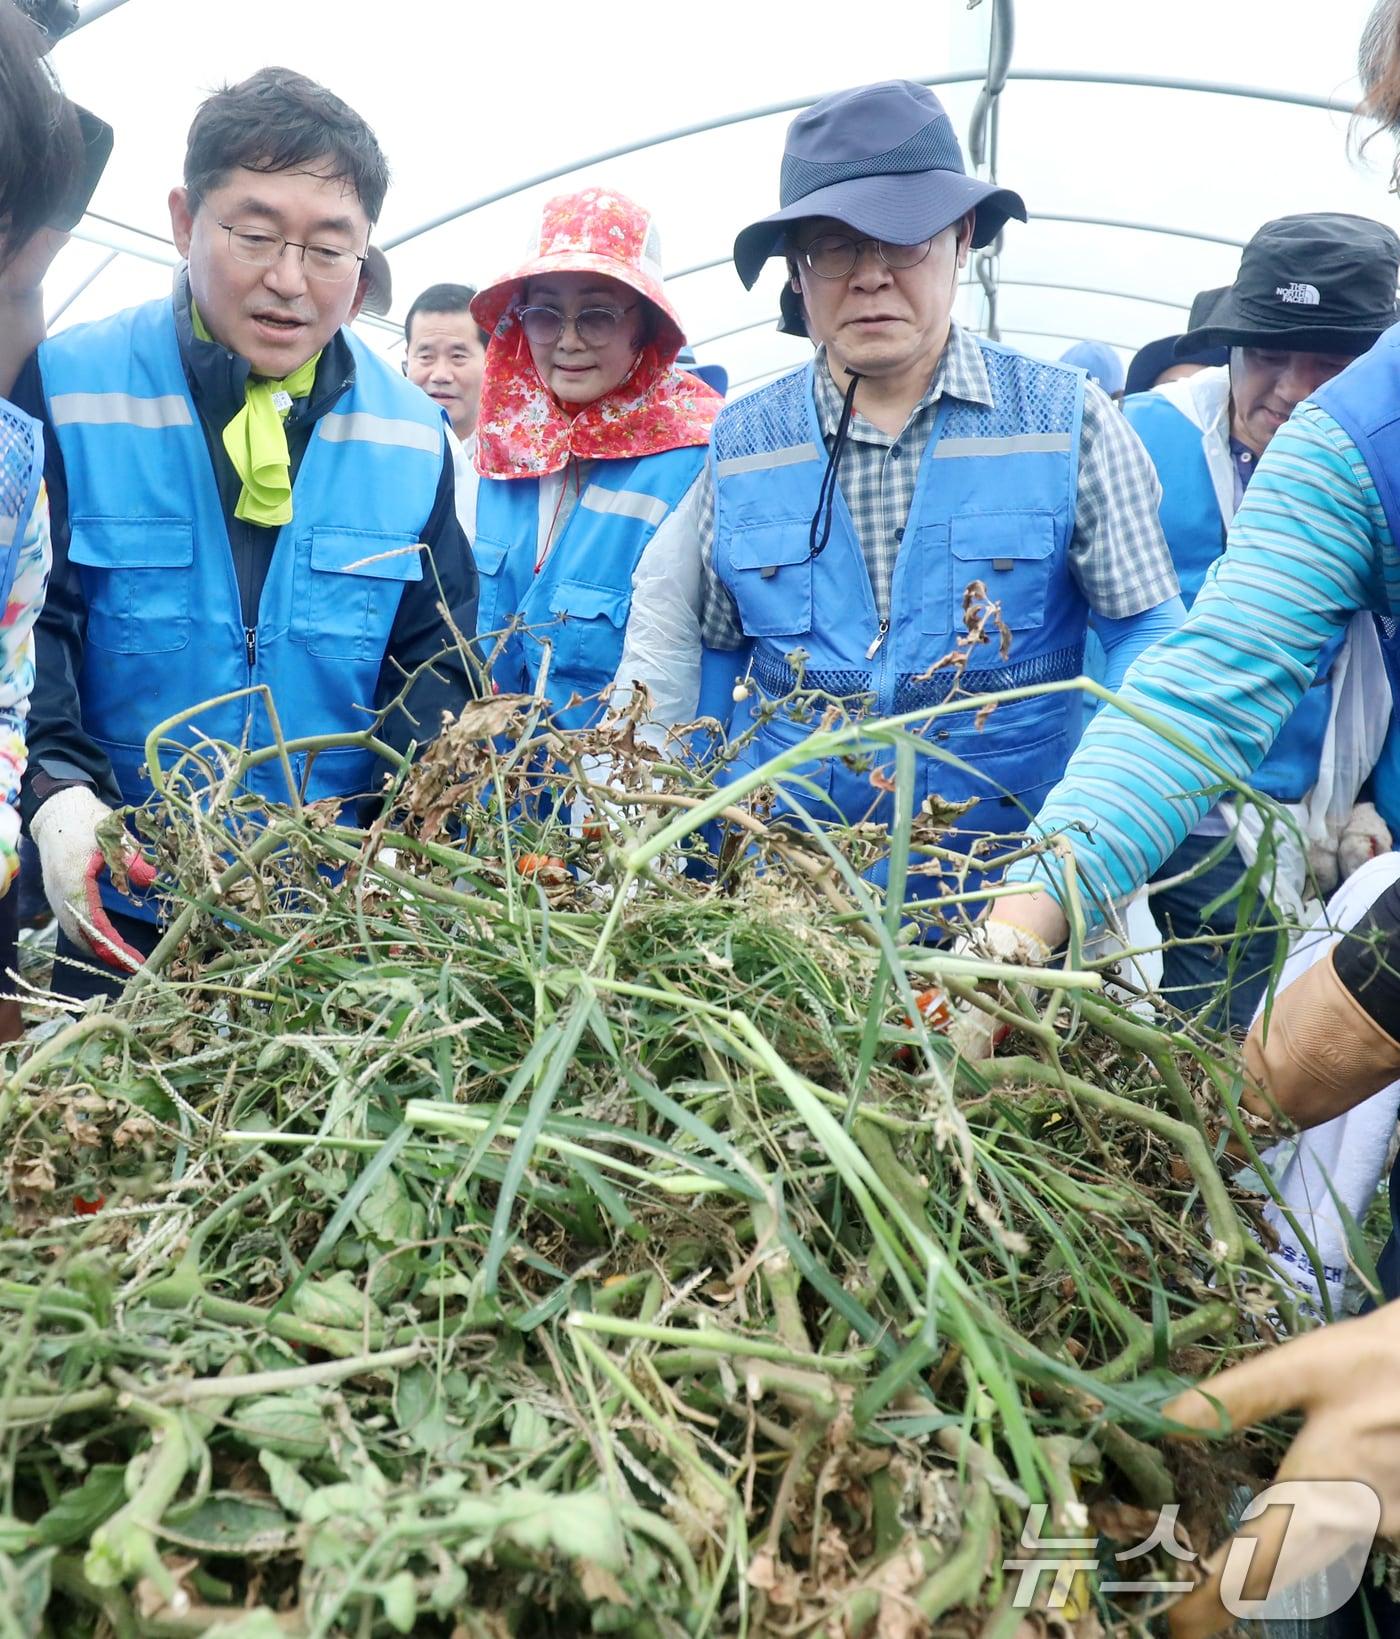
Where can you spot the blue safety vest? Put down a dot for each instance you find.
(994, 502)
(148, 536)
(21, 474)
(1195, 532)
(579, 600)
(1364, 400)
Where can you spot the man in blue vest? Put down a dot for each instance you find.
(1205, 436)
(853, 501)
(242, 494)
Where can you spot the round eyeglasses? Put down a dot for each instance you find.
(594, 326)
(260, 248)
(834, 255)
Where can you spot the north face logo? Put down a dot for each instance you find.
(1299, 295)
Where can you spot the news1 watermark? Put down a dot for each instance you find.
(1325, 1530)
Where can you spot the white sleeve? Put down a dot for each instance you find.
(466, 481)
(662, 645)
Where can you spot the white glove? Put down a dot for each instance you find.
(1364, 836)
(1322, 865)
(973, 1033)
(65, 833)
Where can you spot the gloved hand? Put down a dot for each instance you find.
(973, 1033)
(1323, 866)
(65, 833)
(1346, 1380)
(1364, 835)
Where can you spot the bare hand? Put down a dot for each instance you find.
(1346, 1381)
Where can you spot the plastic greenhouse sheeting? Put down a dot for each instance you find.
(471, 102)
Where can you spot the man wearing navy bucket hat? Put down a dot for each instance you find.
(853, 500)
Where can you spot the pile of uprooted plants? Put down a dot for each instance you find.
(478, 1224)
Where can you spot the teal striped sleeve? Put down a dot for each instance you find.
(1308, 548)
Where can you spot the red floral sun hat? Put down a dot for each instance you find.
(522, 431)
(595, 231)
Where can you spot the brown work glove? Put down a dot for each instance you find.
(1322, 1055)
(1346, 1381)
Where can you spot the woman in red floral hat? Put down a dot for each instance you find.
(589, 440)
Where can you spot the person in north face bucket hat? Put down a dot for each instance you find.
(852, 501)
(1312, 293)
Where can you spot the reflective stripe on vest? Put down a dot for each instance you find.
(119, 410)
(948, 449)
(762, 460)
(357, 426)
(624, 503)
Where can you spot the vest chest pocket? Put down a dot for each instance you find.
(586, 632)
(136, 575)
(492, 608)
(771, 578)
(1012, 554)
(357, 579)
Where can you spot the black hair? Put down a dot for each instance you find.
(41, 148)
(278, 120)
(443, 299)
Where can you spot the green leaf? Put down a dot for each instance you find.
(225, 1523)
(285, 1479)
(583, 1525)
(378, 1168)
(24, 1589)
(399, 1596)
(16, 1535)
(529, 1428)
(77, 1514)
(334, 1501)
(565, 1039)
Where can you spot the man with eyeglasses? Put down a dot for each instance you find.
(1312, 293)
(242, 495)
(854, 502)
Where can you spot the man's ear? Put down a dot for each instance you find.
(965, 231)
(794, 278)
(361, 291)
(181, 220)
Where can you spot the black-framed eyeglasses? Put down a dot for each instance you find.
(259, 248)
(833, 255)
(594, 326)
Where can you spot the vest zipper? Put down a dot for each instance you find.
(880, 637)
(250, 646)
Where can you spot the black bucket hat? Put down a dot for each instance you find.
(1156, 356)
(1323, 283)
(885, 160)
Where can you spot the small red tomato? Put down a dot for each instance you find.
(933, 1004)
(533, 864)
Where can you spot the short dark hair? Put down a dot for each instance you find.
(278, 120)
(41, 147)
(443, 299)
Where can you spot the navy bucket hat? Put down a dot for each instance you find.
(1321, 283)
(885, 160)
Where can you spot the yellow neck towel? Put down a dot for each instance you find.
(256, 440)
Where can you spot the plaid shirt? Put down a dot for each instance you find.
(1118, 555)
